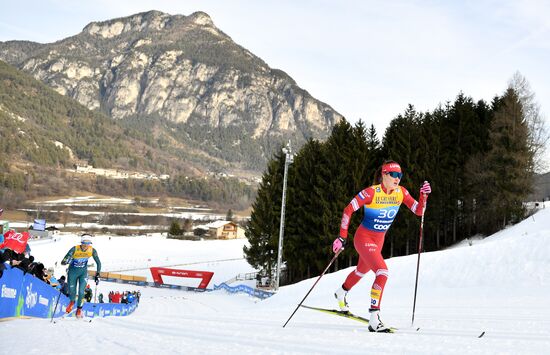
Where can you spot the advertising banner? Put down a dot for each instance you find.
(158, 272)
(39, 224)
(38, 297)
(10, 288)
(25, 295)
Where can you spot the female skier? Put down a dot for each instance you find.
(381, 202)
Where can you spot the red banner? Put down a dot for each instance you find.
(15, 241)
(205, 276)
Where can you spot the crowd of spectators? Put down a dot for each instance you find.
(10, 257)
(124, 297)
(15, 252)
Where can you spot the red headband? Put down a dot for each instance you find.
(387, 168)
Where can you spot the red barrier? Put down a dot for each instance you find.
(157, 273)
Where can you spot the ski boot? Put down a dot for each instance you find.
(375, 323)
(70, 307)
(340, 296)
(79, 312)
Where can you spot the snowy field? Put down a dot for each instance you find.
(135, 255)
(500, 285)
(59, 206)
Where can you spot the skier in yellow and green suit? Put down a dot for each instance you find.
(77, 258)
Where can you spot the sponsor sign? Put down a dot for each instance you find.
(37, 295)
(10, 286)
(157, 273)
(25, 295)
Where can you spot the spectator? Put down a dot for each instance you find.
(116, 297)
(13, 259)
(53, 281)
(124, 297)
(100, 298)
(88, 294)
(14, 246)
(63, 286)
(39, 271)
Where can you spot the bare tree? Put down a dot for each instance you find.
(65, 216)
(539, 134)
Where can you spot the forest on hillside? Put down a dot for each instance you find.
(44, 133)
(479, 157)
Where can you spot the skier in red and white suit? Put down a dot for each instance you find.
(381, 203)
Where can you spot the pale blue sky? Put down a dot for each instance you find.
(367, 59)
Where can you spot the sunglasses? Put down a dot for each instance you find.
(395, 174)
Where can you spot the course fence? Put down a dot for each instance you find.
(244, 289)
(231, 289)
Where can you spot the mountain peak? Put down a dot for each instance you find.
(150, 20)
(201, 18)
(144, 21)
(220, 97)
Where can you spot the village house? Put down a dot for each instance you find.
(223, 230)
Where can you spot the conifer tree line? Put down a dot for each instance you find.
(479, 158)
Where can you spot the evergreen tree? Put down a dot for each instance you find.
(478, 159)
(373, 147)
(262, 231)
(339, 180)
(505, 173)
(175, 228)
(400, 143)
(229, 215)
(305, 244)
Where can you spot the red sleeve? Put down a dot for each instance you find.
(364, 197)
(412, 204)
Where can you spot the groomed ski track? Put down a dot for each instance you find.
(499, 285)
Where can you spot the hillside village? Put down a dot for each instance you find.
(117, 173)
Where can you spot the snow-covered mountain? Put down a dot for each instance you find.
(499, 285)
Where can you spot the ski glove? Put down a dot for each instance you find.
(96, 278)
(426, 188)
(339, 243)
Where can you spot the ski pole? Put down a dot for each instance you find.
(425, 197)
(311, 289)
(56, 303)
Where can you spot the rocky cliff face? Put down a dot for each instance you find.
(180, 69)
